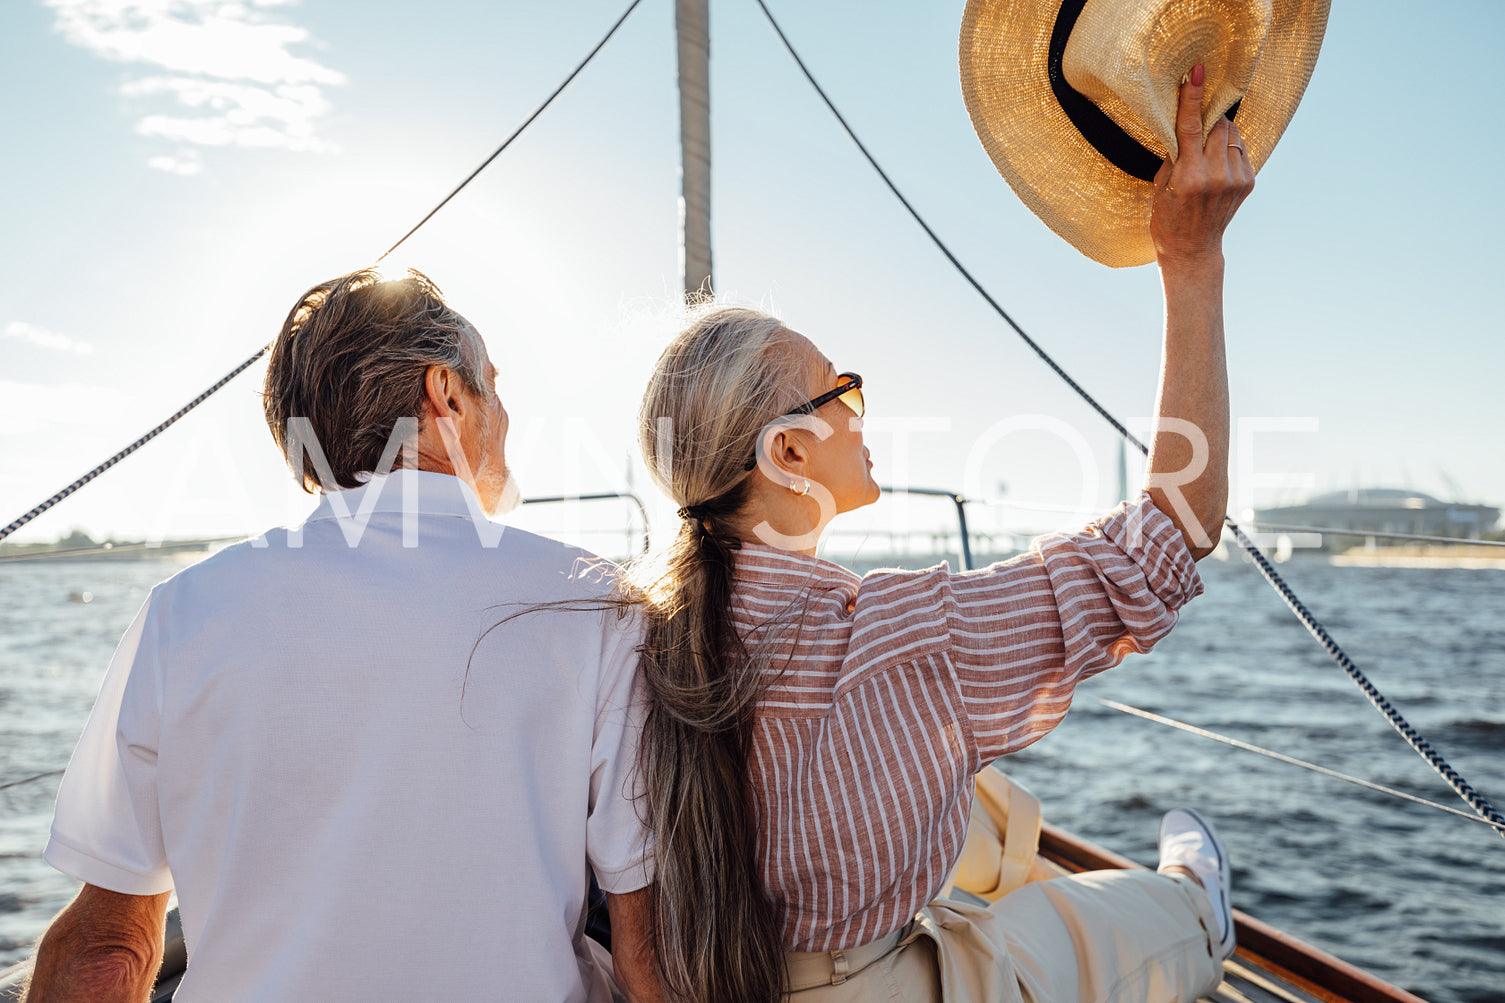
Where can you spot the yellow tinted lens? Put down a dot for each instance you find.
(853, 399)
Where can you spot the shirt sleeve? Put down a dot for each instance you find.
(617, 840)
(1026, 632)
(105, 827)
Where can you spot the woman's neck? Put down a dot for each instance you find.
(797, 527)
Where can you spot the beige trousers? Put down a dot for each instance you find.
(1099, 937)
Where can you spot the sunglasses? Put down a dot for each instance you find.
(848, 390)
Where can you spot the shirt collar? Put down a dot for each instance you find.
(757, 562)
(426, 491)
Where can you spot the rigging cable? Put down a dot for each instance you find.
(519, 130)
(173, 419)
(128, 450)
(1171, 722)
(1413, 738)
(27, 780)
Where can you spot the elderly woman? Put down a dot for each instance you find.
(813, 736)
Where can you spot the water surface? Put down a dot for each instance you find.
(1405, 891)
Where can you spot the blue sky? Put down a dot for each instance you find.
(178, 171)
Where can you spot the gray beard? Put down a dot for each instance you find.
(511, 496)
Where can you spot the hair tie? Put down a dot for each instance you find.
(694, 513)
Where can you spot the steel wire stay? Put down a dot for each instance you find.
(1281, 757)
(28, 780)
(1413, 738)
(173, 419)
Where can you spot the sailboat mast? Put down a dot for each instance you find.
(692, 22)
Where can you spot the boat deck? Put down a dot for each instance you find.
(1242, 984)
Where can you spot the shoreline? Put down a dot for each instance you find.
(1442, 556)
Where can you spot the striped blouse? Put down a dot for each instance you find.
(889, 692)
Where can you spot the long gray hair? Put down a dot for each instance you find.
(714, 389)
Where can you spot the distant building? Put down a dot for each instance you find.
(1385, 510)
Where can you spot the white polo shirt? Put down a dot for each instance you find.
(356, 795)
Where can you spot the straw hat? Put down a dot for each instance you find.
(1075, 100)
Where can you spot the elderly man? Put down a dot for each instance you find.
(358, 790)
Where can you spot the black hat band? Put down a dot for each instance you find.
(1106, 136)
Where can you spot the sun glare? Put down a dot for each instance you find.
(392, 269)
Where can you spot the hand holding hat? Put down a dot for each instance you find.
(1076, 101)
(1198, 191)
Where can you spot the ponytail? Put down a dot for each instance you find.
(717, 932)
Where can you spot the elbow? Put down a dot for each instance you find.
(104, 946)
(63, 972)
(1199, 516)
(1203, 543)
(115, 972)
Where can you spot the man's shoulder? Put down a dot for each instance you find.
(222, 561)
(522, 555)
(518, 558)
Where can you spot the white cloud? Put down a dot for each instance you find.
(46, 339)
(186, 161)
(231, 75)
(232, 114)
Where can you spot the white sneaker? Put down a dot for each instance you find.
(1188, 840)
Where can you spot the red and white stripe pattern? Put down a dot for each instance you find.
(890, 691)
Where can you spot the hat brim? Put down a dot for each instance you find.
(1076, 191)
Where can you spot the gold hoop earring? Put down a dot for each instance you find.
(800, 491)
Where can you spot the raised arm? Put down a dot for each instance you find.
(1197, 193)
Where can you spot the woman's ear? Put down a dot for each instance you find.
(791, 451)
(780, 455)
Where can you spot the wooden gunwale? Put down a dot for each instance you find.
(1310, 969)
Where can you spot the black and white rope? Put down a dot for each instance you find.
(1413, 738)
(1460, 786)
(128, 450)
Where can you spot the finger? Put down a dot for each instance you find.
(1240, 167)
(1219, 138)
(1163, 176)
(1189, 111)
(1225, 134)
